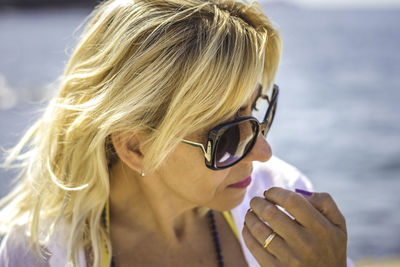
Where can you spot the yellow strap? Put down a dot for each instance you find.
(231, 223)
(106, 255)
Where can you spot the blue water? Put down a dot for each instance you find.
(338, 119)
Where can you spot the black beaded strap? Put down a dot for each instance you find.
(217, 244)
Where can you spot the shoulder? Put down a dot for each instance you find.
(16, 250)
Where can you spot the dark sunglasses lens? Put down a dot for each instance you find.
(235, 143)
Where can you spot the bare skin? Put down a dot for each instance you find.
(195, 247)
(159, 219)
(317, 237)
(176, 231)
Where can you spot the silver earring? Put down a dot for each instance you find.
(142, 173)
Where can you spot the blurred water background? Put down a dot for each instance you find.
(339, 113)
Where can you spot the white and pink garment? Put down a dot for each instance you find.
(16, 252)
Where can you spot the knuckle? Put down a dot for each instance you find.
(310, 256)
(251, 221)
(344, 238)
(344, 223)
(244, 233)
(327, 232)
(292, 200)
(341, 236)
(256, 227)
(248, 239)
(247, 219)
(324, 228)
(308, 250)
(251, 245)
(325, 199)
(254, 202)
(259, 229)
(295, 262)
(269, 211)
(307, 246)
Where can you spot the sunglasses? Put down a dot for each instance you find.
(229, 143)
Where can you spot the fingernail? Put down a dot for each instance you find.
(249, 210)
(303, 192)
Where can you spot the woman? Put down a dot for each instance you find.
(163, 108)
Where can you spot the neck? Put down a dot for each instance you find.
(143, 204)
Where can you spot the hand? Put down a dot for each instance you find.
(316, 237)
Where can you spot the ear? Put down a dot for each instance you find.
(127, 147)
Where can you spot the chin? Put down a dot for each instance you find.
(227, 202)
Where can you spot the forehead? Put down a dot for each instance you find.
(257, 91)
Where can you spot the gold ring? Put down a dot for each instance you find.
(269, 239)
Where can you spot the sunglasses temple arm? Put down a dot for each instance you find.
(263, 127)
(206, 155)
(266, 98)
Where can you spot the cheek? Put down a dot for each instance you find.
(186, 174)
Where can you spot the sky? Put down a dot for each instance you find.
(343, 3)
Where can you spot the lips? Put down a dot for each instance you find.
(242, 184)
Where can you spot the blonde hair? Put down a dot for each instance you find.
(171, 65)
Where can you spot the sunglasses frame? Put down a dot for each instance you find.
(215, 134)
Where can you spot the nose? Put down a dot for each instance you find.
(261, 150)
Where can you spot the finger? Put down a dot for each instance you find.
(277, 219)
(277, 246)
(257, 228)
(324, 203)
(299, 207)
(264, 258)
